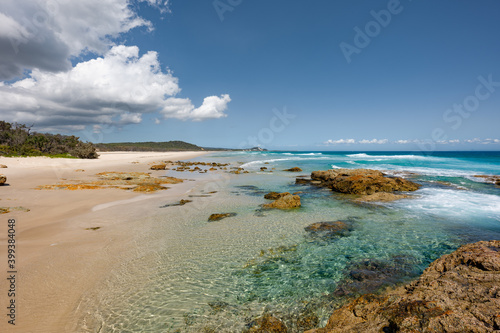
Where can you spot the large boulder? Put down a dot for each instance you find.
(3, 179)
(362, 181)
(458, 292)
(287, 201)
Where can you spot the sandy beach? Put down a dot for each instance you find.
(58, 257)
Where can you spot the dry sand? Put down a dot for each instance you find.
(57, 259)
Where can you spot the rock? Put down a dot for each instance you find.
(275, 195)
(383, 197)
(458, 292)
(263, 168)
(294, 169)
(267, 324)
(3, 166)
(303, 180)
(3, 179)
(162, 166)
(220, 216)
(489, 179)
(184, 201)
(361, 181)
(328, 230)
(287, 201)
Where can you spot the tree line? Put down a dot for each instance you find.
(19, 140)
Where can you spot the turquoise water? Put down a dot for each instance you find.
(220, 276)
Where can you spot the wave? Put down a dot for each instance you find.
(305, 154)
(455, 203)
(390, 157)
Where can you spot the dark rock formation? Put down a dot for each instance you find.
(3, 179)
(459, 292)
(286, 201)
(328, 230)
(294, 169)
(361, 181)
(220, 216)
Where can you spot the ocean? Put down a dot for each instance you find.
(200, 276)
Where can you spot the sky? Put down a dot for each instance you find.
(283, 74)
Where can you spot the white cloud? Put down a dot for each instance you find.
(45, 34)
(115, 89)
(340, 141)
(374, 141)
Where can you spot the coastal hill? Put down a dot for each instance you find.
(163, 146)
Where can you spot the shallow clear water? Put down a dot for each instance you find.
(197, 276)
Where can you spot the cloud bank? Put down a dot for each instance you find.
(117, 87)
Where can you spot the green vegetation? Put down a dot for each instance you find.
(18, 140)
(148, 146)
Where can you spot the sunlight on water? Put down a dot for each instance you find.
(197, 276)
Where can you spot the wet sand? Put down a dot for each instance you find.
(58, 260)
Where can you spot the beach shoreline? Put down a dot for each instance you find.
(58, 255)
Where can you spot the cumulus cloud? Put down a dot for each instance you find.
(44, 35)
(352, 141)
(340, 141)
(115, 89)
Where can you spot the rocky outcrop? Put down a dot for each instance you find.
(286, 201)
(362, 181)
(3, 166)
(489, 179)
(459, 292)
(3, 179)
(220, 216)
(294, 169)
(328, 230)
(382, 197)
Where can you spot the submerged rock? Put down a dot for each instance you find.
(266, 324)
(328, 230)
(275, 195)
(286, 201)
(3, 179)
(458, 292)
(294, 169)
(220, 216)
(361, 181)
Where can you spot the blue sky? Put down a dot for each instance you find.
(327, 75)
